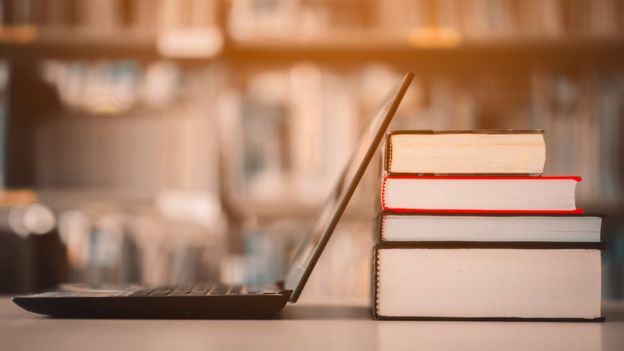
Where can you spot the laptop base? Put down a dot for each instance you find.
(104, 304)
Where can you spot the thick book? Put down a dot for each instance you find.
(519, 152)
(488, 281)
(480, 194)
(401, 226)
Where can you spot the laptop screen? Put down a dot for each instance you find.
(324, 224)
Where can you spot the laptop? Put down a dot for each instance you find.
(217, 300)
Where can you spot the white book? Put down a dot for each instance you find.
(556, 282)
(505, 228)
(479, 194)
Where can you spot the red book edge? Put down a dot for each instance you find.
(481, 177)
(467, 211)
(423, 210)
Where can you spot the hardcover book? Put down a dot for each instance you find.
(405, 227)
(488, 281)
(519, 152)
(479, 194)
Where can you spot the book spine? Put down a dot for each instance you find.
(375, 283)
(383, 194)
(387, 164)
(382, 226)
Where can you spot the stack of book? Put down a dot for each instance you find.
(470, 229)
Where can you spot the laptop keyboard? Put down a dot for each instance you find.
(205, 289)
(209, 289)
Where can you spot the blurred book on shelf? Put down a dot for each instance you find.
(298, 127)
(584, 114)
(421, 23)
(109, 16)
(425, 21)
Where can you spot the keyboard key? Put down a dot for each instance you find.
(234, 290)
(217, 290)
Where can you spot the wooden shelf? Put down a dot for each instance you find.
(340, 49)
(507, 55)
(77, 44)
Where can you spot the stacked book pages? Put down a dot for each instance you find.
(470, 229)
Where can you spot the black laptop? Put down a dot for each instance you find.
(216, 300)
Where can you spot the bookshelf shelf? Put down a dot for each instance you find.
(505, 54)
(66, 44)
(335, 50)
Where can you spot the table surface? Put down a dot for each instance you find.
(304, 327)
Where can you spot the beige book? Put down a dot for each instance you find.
(466, 152)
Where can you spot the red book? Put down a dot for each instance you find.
(480, 194)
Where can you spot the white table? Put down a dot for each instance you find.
(303, 328)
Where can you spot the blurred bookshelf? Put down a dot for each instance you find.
(220, 126)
